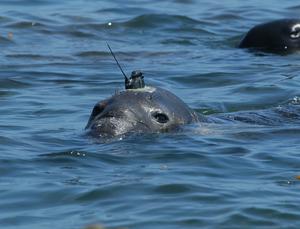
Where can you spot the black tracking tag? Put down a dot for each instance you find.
(135, 81)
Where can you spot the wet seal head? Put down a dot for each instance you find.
(142, 110)
(139, 109)
(279, 36)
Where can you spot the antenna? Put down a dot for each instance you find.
(126, 78)
(136, 79)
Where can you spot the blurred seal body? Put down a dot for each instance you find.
(279, 36)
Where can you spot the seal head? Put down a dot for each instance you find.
(279, 36)
(140, 110)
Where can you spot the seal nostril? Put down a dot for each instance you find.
(160, 117)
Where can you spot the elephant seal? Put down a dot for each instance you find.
(140, 110)
(279, 36)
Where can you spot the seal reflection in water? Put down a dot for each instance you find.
(279, 36)
(139, 109)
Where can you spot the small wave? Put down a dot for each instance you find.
(145, 21)
(12, 84)
(37, 57)
(7, 93)
(73, 30)
(296, 7)
(76, 33)
(124, 10)
(8, 141)
(190, 30)
(6, 40)
(27, 3)
(105, 192)
(77, 18)
(207, 80)
(289, 113)
(25, 25)
(295, 100)
(178, 42)
(160, 20)
(184, 1)
(93, 54)
(122, 55)
(249, 220)
(85, 157)
(4, 19)
(173, 188)
(72, 153)
(226, 16)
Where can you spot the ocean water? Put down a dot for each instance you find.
(55, 66)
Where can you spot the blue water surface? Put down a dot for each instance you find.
(55, 66)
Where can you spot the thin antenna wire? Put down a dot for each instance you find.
(126, 78)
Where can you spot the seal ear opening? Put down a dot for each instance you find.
(160, 117)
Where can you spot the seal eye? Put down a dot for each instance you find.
(295, 33)
(160, 117)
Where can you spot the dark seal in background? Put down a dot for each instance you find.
(279, 36)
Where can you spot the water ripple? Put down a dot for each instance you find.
(241, 170)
